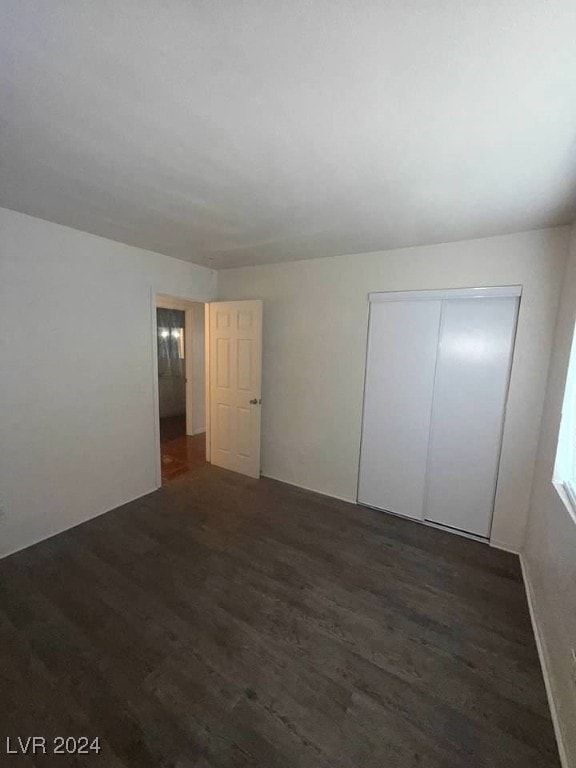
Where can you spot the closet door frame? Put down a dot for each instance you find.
(490, 292)
(483, 292)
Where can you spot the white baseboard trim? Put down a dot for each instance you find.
(199, 431)
(306, 488)
(545, 665)
(448, 529)
(502, 546)
(75, 525)
(356, 503)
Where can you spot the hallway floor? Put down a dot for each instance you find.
(223, 621)
(179, 452)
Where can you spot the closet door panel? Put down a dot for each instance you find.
(402, 346)
(473, 367)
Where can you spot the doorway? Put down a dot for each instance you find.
(180, 339)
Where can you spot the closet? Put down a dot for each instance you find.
(437, 372)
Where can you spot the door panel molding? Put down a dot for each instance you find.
(234, 341)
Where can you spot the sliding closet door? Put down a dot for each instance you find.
(473, 368)
(402, 343)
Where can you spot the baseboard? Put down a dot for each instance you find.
(445, 528)
(540, 642)
(545, 665)
(75, 525)
(306, 488)
(503, 547)
(449, 529)
(199, 431)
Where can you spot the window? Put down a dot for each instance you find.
(170, 324)
(171, 342)
(565, 466)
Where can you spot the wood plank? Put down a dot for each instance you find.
(223, 621)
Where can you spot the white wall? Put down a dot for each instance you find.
(77, 382)
(550, 550)
(315, 325)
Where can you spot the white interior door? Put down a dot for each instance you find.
(472, 372)
(402, 344)
(235, 364)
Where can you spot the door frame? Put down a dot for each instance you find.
(165, 301)
(483, 292)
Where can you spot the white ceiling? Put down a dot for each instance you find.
(232, 132)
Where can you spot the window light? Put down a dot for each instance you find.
(565, 466)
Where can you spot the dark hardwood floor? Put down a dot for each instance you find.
(223, 621)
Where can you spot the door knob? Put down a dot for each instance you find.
(254, 401)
